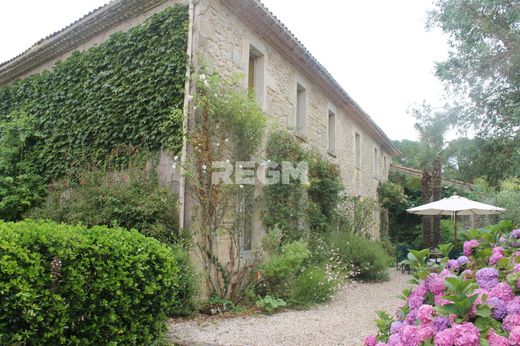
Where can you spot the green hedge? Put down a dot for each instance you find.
(72, 285)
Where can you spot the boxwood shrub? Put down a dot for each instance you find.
(73, 285)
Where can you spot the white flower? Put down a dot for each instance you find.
(202, 77)
(241, 186)
(226, 140)
(175, 158)
(204, 167)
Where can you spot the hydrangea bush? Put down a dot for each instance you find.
(469, 301)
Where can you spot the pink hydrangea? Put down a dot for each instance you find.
(445, 337)
(511, 321)
(496, 340)
(514, 336)
(424, 333)
(435, 284)
(409, 336)
(467, 274)
(497, 255)
(469, 246)
(395, 340)
(440, 301)
(466, 334)
(370, 340)
(425, 313)
(517, 268)
(502, 291)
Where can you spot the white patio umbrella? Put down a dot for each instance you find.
(456, 205)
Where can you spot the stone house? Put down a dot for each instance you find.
(230, 36)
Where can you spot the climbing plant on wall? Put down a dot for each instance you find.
(116, 95)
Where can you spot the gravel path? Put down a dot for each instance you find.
(346, 320)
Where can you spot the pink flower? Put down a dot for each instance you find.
(469, 246)
(517, 268)
(496, 340)
(409, 336)
(514, 336)
(425, 313)
(497, 255)
(424, 333)
(435, 284)
(502, 291)
(370, 340)
(395, 340)
(440, 301)
(466, 334)
(445, 337)
(511, 321)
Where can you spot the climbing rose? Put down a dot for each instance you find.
(487, 278)
(469, 246)
(370, 340)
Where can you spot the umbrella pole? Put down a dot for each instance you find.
(455, 226)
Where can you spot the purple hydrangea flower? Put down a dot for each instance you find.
(487, 278)
(498, 308)
(514, 306)
(440, 323)
(453, 265)
(515, 234)
(396, 327)
(463, 260)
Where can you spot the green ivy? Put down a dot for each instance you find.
(117, 94)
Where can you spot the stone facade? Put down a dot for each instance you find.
(224, 41)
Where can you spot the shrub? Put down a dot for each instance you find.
(313, 285)
(367, 257)
(63, 284)
(270, 304)
(292, 274)
(131, 199)
(471, 300)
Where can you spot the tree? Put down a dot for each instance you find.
(483, 67)
(431, 126)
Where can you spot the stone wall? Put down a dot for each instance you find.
(223, 42)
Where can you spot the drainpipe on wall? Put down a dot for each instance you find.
(186, 112)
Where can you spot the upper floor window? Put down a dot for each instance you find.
(385, 163)
(332, 132)
(376, 162)
(301, 109)
(357, 145)
(255, 73)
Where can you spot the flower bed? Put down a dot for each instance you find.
(473, 300)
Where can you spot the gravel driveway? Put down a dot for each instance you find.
(346, 320)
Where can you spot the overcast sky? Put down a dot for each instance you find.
(378, 50)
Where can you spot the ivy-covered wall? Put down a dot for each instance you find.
(119, 94)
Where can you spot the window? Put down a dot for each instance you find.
(358, 150)
(255, 73)
(301, 109)
(384, 165)
(376, 162)
(332, 132)
(245, 218)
